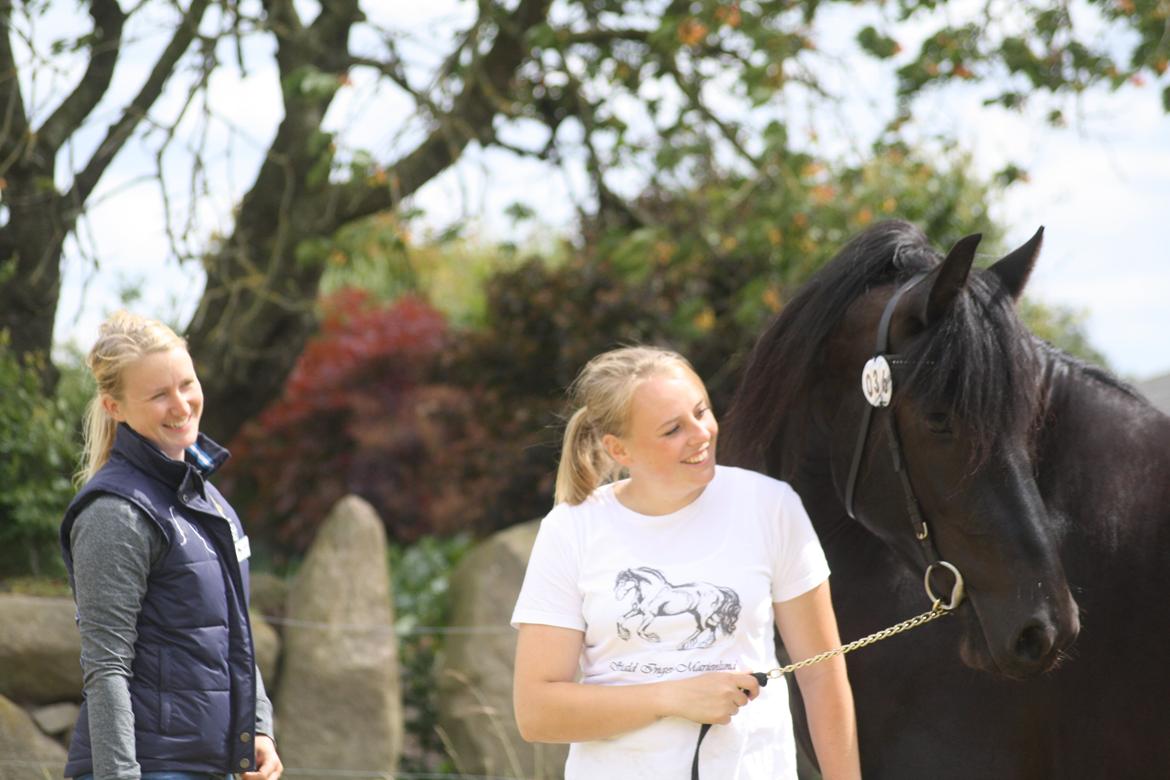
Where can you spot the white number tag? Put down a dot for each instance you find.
(877, 382)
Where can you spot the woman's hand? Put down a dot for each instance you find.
(268, 765)
(710, 698)
(552, 707)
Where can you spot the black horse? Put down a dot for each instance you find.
(1045, 481)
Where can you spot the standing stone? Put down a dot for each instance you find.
(475, 670)
(26, 753)
(338, 705)
(40, 650)
(269, 597)
(267, 645)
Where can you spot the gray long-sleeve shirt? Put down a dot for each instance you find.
(114, 548)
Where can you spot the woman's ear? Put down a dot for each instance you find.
(616, 449)
(110, 404)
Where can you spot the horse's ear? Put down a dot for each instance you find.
(1014, 269)
(930, 299)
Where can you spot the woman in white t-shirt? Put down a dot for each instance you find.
(648, 601)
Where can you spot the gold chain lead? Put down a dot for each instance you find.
(936, 611)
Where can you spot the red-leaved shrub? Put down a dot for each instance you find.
(352, 419)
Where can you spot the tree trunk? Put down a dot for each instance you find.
(30, 273)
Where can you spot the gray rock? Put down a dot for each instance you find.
(40, 650)
(267, 643)
(269, 597)
(338, 705)
(56, 720)
(475, 670)
(26, 753)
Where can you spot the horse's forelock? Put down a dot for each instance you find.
(979, 364)
(782, 368)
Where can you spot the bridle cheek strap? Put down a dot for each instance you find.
(880, 349)
(877, 385)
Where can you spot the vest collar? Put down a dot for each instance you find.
(202, 458)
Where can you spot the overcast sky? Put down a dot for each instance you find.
(1100, 188)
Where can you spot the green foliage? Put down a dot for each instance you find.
(382, 257)
(1035, 48)
(877, 44)
(39, 450)
(310, 82)
(420, 575)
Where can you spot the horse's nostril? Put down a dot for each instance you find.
(1034, 642)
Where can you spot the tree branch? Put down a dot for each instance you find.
(284, 175)
(470, 119)
(604, 37)
(330, 31)
(14, 128)
(107, 38)
(121, 130)
(611, 208)
(693, 92)
(285, 24)
(394, 70)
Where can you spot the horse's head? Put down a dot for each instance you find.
(964, 408)
(625, 582)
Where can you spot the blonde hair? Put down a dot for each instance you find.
(122, 339)
(601, 396)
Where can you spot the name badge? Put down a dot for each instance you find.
(243, 549)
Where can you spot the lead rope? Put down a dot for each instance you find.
(937, 609)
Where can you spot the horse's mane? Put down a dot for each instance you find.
(1075, 365)
(975, 362)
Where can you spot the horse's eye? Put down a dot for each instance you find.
(940, 423)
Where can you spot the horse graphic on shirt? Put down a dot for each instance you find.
(713, 607)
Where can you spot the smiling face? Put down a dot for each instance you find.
(161, 400)
(668, 445)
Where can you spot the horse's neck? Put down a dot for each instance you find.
(1102, 451)
(861, 563)
(845, 540)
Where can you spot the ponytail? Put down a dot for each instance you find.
(584, 462)
(98, 430)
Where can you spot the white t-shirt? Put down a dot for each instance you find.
(671, 596)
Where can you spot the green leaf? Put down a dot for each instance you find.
(519, 212)
(879, 45)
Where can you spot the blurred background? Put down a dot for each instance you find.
(393, 232)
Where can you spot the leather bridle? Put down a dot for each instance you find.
(877, 384)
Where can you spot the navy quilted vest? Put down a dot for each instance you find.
(193, 689)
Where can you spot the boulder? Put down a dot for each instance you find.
(26, 753)
(338, 705)
(269, 597)
(475, 669)
(267, 644)
(40, 650)
(57, 720)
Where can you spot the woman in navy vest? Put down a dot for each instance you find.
(158, 562)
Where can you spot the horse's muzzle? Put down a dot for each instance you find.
(1034, 647)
